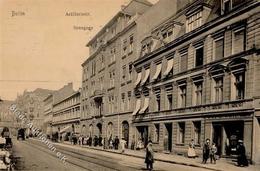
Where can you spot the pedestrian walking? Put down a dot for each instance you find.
(191, 149)
(213, 152)
(241, 151)
(80, 140)
(149, 157)
(123, 144)
(206, 150)
(116, 142)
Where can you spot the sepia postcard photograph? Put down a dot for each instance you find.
(129, 85)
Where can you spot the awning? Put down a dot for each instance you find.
(65, 129)
(158, 71)
(147, 74)
(169, 67)
(137, 106)
(139, 75)
(146, 105)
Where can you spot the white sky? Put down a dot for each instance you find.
(41, 49)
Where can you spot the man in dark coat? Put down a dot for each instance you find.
(206, 150)
(149, 157)
(241, 151)
(116, 142)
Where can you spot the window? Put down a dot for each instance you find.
(168, 35)
(129, 100)
(113, 55)
(123, 102)
(218, 48)
(198, 93)
(184, 62)
(238, 44)
(182, 96)
(112, 78)
(158, 102)
(199, 57)
(156, 133)
(102, 59)
(124, 47)
(240, 85)
(194, 21)
(226, 6)
(130, 71)
(169, 98)
(197, 132)
(124, 72)
(131, 44)
(218, 87)
(181, 132)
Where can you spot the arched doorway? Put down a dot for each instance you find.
(110, 131)
(99, 126)
(125, 132)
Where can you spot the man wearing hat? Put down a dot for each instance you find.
(206, 150)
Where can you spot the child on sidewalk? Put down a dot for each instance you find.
(213, 152)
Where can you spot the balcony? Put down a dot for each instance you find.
(201, 110)
(98, 93)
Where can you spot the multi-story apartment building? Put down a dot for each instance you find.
(197, 78)
(66, 115)
(107, 75)
(53, 98)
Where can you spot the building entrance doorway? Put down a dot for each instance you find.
(143, 134)
(125, 132)
(226, 136)
(168, 137)
(99, 126)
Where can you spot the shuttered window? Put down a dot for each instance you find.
(184, 62)
(219, 48)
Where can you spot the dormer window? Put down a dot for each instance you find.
(226, 6)
(194, 21)
(167, 35)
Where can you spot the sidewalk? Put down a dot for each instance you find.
(222, 164)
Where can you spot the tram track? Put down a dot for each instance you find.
(86, 161)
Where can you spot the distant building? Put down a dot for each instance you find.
(107, 96)
(49, 101)
(66, 116)
(30, 103)
(197, 78)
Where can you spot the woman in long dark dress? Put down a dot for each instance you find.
(149, 158)
(241, 151)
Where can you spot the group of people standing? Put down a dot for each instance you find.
(210, 151)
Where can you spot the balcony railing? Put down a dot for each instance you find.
(232, 105)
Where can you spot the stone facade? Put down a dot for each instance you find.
(107, 96)
(196, 78)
